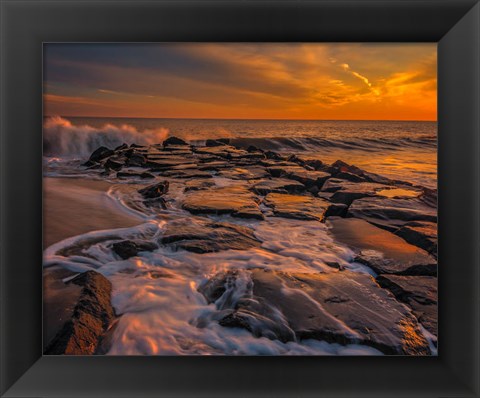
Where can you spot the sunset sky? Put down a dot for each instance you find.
(242, 81)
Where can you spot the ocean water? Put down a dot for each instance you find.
(401, 150)
(156, 292)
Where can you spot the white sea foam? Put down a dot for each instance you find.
(156, 292)
(62, 138)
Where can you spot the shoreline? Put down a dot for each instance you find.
(74, 206)
(229, 225)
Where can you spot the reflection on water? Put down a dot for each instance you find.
(398, 192)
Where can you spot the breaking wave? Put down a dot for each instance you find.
(62, 138)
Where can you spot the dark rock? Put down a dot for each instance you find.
(419, 293)
(297, 206)
(337, 307)
(128, 248)
(92, 316)
(340, 167)
(257, 324)
(111, 164)
(336, 210)
(278, 185)
(315, 164)
(186, 173)
(247, 173)
(349, 177)
(174, 141)
(422, 234)
(196, 185)
(136, 160)
(100, 154)
(234, 200)
(156, 203)
(225, 141)
(121, 147)
(146, 175)
(381, 250)
(273, 155)
(204, 236)
(214, 165)
(346, 191)
(136, 146)
(300, 174)
(90, 164)
(429, 197)
(154, 191)
(392, 213)
(253, 148)
(211, 143)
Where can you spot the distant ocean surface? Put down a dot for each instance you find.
(403, 150)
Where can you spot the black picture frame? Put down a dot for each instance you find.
(26, 24)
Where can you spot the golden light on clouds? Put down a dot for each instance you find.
(268, 81)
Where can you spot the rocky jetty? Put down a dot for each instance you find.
(218, 193)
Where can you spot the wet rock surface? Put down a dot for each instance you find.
(128, 248)
(422, 234)
(419, 293)
(381, 250)
(92, 316)
(342, 307)
(302, 207)
(278, 185)
(202, 236)
(237, 201)
(392, 213)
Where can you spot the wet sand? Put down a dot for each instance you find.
(74, 206)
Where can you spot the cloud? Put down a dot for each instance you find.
(262, 80)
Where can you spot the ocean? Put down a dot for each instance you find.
(402, 150)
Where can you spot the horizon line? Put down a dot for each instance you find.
(259, 119)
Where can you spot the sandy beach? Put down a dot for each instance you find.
(73, 206)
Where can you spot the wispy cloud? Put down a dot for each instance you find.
(396, 81)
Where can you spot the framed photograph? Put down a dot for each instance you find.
(240, 198)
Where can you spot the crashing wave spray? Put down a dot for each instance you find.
(62, 138)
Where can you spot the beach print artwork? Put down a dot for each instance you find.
(240, 199)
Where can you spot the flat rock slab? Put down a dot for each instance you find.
(185, 173)
(338, 307)
(236, 200)
(381, 250)
(307, 177)
(297, 206)
(278, 185)
(346, 191)
(165, 164)
(419, 293)
(392, 213)
(196, 185)
(244, 173)
(204, 236)
(422, 234)
(226, 152)
(92, 316)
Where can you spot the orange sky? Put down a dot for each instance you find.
(258, 80)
